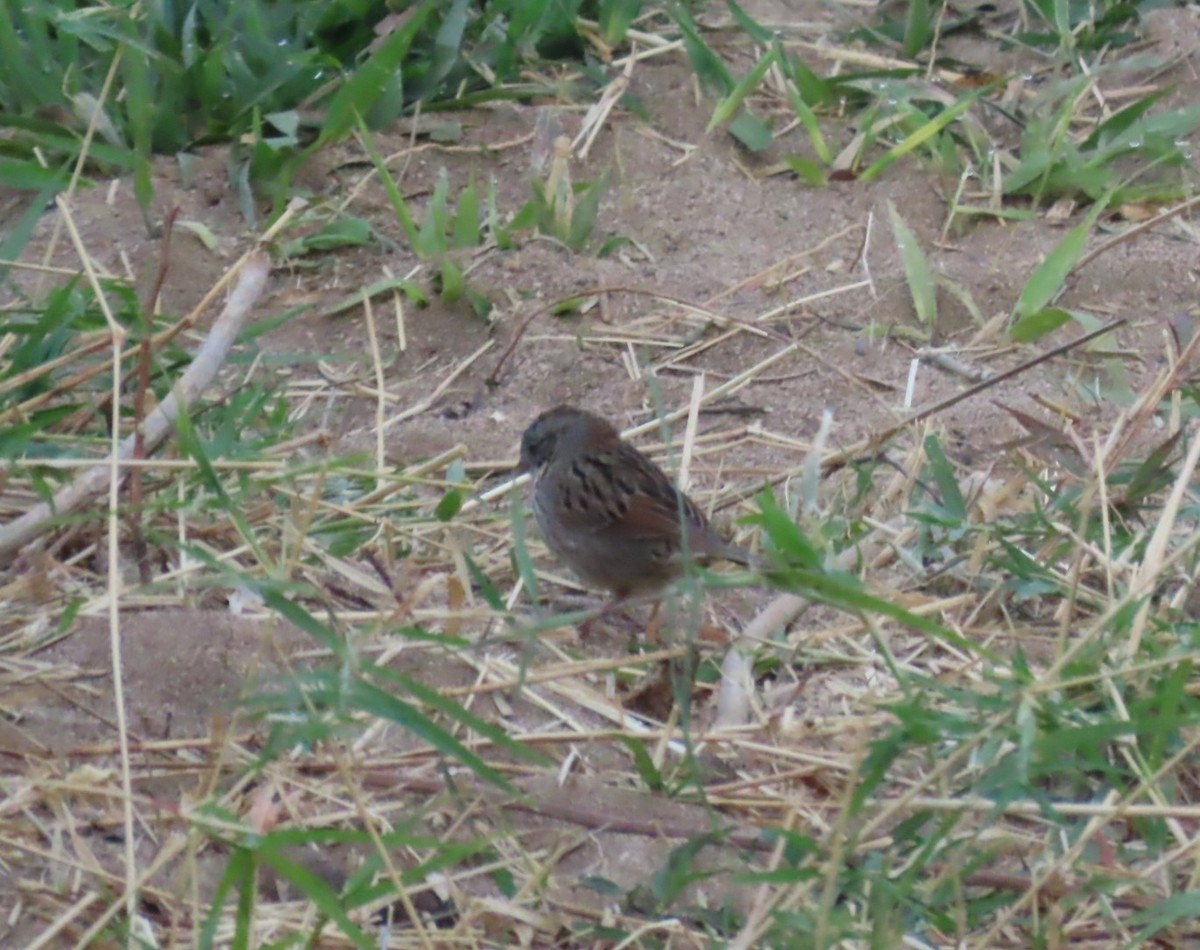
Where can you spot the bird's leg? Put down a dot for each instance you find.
(622, 601)
(617, 602)
(654, 624)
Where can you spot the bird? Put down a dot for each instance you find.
(610, 513)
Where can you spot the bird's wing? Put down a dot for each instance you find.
(622, 490)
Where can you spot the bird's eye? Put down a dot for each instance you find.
(537, 448)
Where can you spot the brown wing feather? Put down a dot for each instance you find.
(620, 486)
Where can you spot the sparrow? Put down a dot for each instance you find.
(608, 512)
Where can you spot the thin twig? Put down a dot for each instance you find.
(1132, 232)
(199, 375)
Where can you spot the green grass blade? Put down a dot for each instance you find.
(806, 170)
(247, 899)
(447, 44)
(735, 101)
(300, 616)
(615, 17)
(520, 549)
(1120, 121)
(371, 699)
(31, 175)
(139, 109)
(710, 69)
(918, 28)
(1046, 282)
(238, 873)
(191, 446)
(927, 131)
(1183, 907)
(1036, 325)
(466, 226)
(952, 501)
(354, 100)
(803, 89)
(754, 133)
(921, 284)
(322, 896)
(758, 33)
(399, 205)
(587, 210)
(643, 763)
(448, 707)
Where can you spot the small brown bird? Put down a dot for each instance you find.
(607, 511)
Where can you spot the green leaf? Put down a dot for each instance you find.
(453, 283)
(505, 881)
(643, 763)
(752, 132)
(481, 306)
(615, 17)
(383, 705)
(15, 438)
(1153, 474)
(239, 873)
(526, 218)
(21, 230)
(1047, 280)
(1120, 121)
(601, 885)
(1178, 908)
(805, 89)
(286, 122)
(587, 210)
(344, 231)
(918, 28)
(943, 475)
(454, 710)
(841, 590)
(681, 868)
(572, 306)
(448, 42)
(353, 101)
(432, 242)
(450, 505)
(191, 446)
(466, 227)
(487, 590)
(399, 205)
(318, 891)
(202, 232)
(303, 620)
(783, 875)
(734, 103)
(710, 69)
(611, 245)
(929, 129)
(921, 284)
(785, 535)
(758, 33)
(1036, 325)
(31, 176)
(520, 549)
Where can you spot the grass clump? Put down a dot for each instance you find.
(267, 76)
